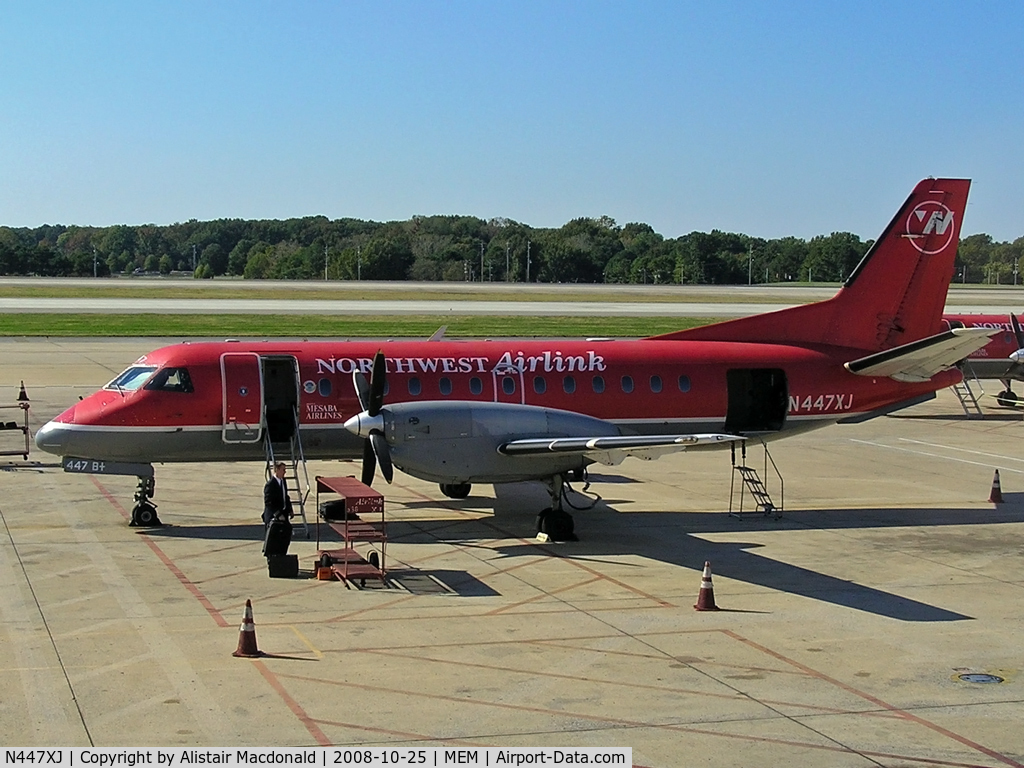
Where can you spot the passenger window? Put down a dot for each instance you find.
(540, 386)
(324, 387)
(655, 383)
(414, 386)
(598, 383)
(475, 385)
(387, 387)
(170, 380)
(508, 385)
(445, 386)
(569, 384)
(627, 384)
(684, 383)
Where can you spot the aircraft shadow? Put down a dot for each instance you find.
(674, 537)
(669, 537)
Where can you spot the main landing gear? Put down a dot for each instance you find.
(144, 511)
(456, 490)
(555, 522)
(1008, 397)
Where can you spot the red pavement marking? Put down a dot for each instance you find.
(293, 705)
(878, 702)
(196, 592)
(268, 675)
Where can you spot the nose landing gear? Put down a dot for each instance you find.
(144, 512)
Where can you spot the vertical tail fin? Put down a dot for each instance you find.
(894, 296)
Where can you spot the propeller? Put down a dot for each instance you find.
(370, 423)
(1018, 336)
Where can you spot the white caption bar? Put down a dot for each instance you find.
(430, 757)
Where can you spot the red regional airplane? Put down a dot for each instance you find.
(462, 412)
(1002, 358)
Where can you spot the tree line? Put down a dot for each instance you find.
(459, 248)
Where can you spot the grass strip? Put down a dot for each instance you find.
(335, 326)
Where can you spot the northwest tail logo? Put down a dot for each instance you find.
(930, 227)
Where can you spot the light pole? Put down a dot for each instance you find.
(527, 261)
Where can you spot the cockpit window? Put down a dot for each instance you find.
(132, 379)
(171, 380)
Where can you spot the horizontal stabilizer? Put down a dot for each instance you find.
(920, 360)
(613, 449)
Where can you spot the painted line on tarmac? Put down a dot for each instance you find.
(895, 710)
(271, 678)
(961, 450)
(934, 455)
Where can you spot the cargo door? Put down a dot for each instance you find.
(243, 397)
(758, 400)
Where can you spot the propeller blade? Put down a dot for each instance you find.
(362, 389)
(380, 448)
(376, 398)
(369, 463)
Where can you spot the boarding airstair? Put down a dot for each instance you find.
(751, 483)
(283, 442)
(964, 392)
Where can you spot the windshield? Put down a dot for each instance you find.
(131, 379)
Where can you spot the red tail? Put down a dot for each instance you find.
(894, 296)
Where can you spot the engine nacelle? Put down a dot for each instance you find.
(457, 441)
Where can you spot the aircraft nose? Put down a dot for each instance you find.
(52, 438)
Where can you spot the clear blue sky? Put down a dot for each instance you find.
(772, 119)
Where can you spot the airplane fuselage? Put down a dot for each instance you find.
(641, 386)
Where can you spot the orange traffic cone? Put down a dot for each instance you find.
(23, 395)
(247, 636)
(706, 596)
(996, 497)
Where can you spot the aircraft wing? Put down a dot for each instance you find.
(922, 359)
(613, 449)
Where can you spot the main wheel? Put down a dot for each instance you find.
(460, 490)
(455, 490)
(1007, 398)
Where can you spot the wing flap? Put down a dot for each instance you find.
(922, 359)
(614, 448)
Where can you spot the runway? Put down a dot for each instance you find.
(853, 631)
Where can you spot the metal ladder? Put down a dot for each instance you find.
(296, 475)
(751, 481)
(965, 394)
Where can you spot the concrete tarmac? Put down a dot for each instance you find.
(856, 630)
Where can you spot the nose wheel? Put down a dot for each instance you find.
(144, 512)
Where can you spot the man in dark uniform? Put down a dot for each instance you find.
(275, 496)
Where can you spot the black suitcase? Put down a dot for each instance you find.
(283, 566)
(279, 536)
